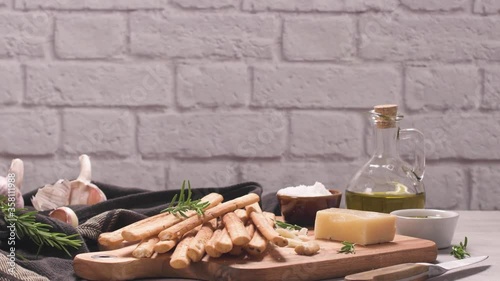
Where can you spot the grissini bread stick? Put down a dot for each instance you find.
(224, 243)
(149, 225)
(184, 226)
(154, 227)
(180, 258)
(257, 245)
(262, 224)
(242, 214)
(236, 229)
(210, 246)
(238, 250)
(196, 249)
(145, 248)
(164, 246)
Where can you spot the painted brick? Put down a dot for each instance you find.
(23, 34)
(325, 86)
(202, 35)
(206, 4)
(446, 187)
(130, 173)
(39, 172)
(460, 135)
(426, 37)
(98, 132)
(276, 175)
(203, 174)
(442, 87)
(320, 5)
(213, 85)
(491, 98)
(98, 84)
(90, 36)
(326, 134)
(29, 132)
(208, 135)
(485, 194)
(89, 5)
(486, 6)
(318, 38)
(11, 83)
(126, 173)
(436, 5)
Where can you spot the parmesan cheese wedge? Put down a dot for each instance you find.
(360, 227)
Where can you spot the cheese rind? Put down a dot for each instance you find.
(360, 227)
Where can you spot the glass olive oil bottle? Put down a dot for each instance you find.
(386, 182)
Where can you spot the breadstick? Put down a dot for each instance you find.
(236, 229)
(238, 250)
(210, 246)
(145, 248)
(182, 227)
(156, 226)
(224, 243)
(270, 217)
(179, 258)
(164, 246)
(196, 249)
(262, 224)
(242, 214)
(257, 245)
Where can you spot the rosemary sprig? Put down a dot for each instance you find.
(26, 225)
(285, 225)
(185, 203)
(348, 248)
(460, 251)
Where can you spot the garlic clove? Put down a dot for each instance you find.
(95, 195)
(14, 180)
(82, 190)
(52, 196)
(66, 215)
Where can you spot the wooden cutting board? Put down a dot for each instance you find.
(275, 264)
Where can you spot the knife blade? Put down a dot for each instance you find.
(412, 271)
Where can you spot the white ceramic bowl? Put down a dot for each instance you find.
(435, 225)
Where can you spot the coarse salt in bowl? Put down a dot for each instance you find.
(299, 204)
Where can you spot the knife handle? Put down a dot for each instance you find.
(407, 271)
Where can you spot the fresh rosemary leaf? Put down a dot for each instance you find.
(39, 233)
(185, 203)
(285, 225)
(348, 248)
(460, 251)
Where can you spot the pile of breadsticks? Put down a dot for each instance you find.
(233, 227)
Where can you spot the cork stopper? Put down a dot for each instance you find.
(389, 112)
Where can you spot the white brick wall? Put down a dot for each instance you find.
(273, 91)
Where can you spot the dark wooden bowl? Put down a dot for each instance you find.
(302, 210)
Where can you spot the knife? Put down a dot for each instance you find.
(411, 271)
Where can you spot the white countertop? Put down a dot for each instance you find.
(482, 229)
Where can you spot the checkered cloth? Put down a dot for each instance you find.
(124, 206)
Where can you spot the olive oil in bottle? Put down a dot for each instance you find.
(386, 182)
(384, 202)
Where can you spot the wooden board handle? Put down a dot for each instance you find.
(412, 271)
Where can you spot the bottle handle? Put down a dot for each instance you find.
(419, 153)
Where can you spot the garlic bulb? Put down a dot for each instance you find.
(15, 175)
(77, 192)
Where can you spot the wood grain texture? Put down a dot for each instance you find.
(275, 264)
